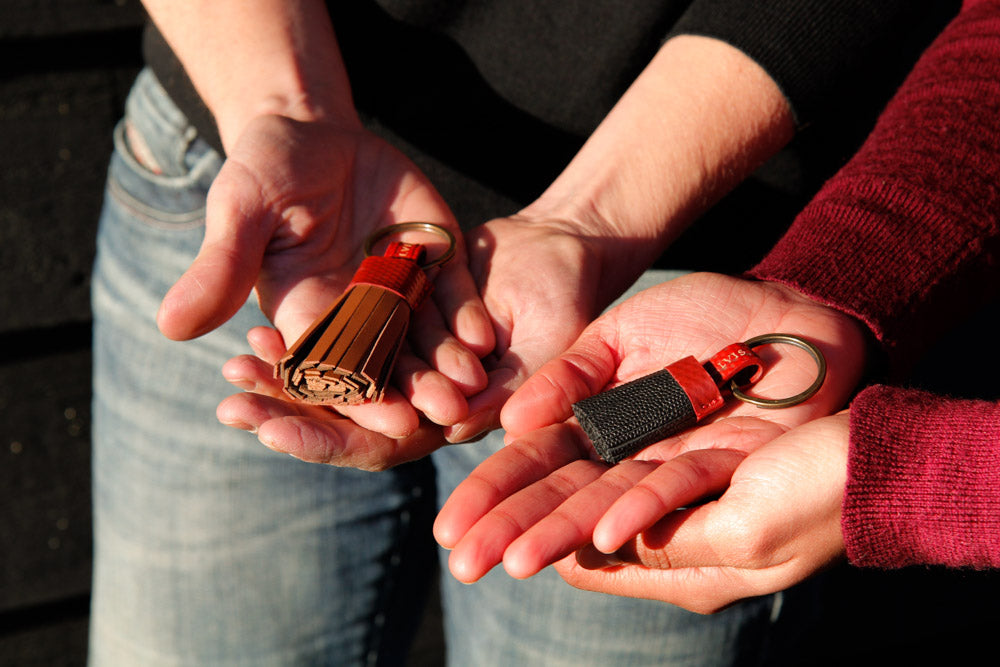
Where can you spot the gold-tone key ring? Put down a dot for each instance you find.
(398, 228)
(790, 339)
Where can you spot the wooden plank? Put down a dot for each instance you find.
(33, 18)
(45, 479)
(55, 142)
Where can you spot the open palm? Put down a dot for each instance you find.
(288, 216)
(520, 506)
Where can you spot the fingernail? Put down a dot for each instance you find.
(257, 350)
(241, 425)
(474, 427)
(264, 441)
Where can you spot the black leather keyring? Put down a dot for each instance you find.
(632, 416)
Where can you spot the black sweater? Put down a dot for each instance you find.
(481, 85)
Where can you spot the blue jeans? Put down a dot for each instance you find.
(211, 549)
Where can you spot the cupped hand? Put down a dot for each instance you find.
(313, 433)
(541, 283)
(288, 216)
(776, 524)
(550, 459)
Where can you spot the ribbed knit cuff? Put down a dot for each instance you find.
(923, 481)
(861, 248)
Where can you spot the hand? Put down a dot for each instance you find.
(777, 524)
(308, 432)
(538, 278)
(288, 216)
(697, 315)
(541, 283)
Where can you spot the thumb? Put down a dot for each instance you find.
(548, 395)
(220, 278)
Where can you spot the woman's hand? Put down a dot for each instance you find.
(549, 459)
(776, 524)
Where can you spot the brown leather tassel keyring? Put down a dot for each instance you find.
(347, 355)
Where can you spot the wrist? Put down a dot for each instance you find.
(294, 102)
(611, 254)
(281, 58)
(698, 119)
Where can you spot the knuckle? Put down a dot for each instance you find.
(748, 545)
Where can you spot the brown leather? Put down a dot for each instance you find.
(347, 355)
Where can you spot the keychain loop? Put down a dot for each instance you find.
(382, 232)
(789, 339)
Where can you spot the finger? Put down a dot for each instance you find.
(512, 370)
(503, 474)
(393, 416)
(341, 442)
(248, 411)
(221, 276)
(251, 373)
(570, 526)
(483, 546)
(678, 482)
(429, 392)
(317, 435)
(716, 535)
(744, 434)
(484, 407)
(267, 343)
(432, 341)
(701, 590)
(457, 296)
(548, 396)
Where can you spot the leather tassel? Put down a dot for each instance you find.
(347, 355)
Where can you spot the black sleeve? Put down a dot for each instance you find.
(170, 73)
(824, 55)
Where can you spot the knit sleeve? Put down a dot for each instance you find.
(923, 481)
(906, 236)
(825, 56)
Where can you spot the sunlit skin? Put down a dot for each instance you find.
(546, 495)
(302, 186)
(699, 118)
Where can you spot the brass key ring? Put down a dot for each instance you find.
(789, 339)
(382, 232)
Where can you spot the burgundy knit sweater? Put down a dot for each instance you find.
(905, 238)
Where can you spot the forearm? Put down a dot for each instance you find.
(267, 57)
(905, 237)
(698, 120)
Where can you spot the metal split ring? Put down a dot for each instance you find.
(398, 228)
(789, 339)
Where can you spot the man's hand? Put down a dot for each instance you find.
(288, 216)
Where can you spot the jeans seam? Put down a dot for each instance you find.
(153, 217)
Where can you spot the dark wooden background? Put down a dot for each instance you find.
(65, 68)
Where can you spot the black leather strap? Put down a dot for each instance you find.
(632, 416)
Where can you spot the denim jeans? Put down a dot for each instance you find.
(212, 550)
